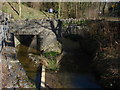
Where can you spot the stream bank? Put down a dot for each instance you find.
(79, 59)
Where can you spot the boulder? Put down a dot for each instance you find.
(46, 38)
(48, 41)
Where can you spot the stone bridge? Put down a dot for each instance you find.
(33, 31)
(29, 30)
(38, 34)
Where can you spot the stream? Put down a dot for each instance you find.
(74, 72)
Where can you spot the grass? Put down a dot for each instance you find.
(51, 54)
(49, 60)
(27, 12)
(53, 65)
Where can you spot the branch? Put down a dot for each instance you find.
(13, 8)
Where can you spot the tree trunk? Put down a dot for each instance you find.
(19, 8)
(76, 10)
(59, 8)
(103, 9)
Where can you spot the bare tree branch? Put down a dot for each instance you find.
(13, 8)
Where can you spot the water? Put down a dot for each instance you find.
(74, 80)
(74, 72)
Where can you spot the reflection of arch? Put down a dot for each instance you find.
(28, 40)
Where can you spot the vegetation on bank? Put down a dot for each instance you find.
(78, 9)
(27, 12)
(51, 60)
(38, 10)
(52, 63)
(76, 22)
(106, 61)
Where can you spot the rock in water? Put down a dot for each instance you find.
(49, 41)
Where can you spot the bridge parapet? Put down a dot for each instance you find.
(59, 27)
(29, 27)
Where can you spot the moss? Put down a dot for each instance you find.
(51, 54)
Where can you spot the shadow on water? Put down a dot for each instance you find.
(75, 70)
(74, 67)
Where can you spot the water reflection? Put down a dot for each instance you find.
(29, 66)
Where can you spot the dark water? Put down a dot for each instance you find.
(74, 71)
(73, 75)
